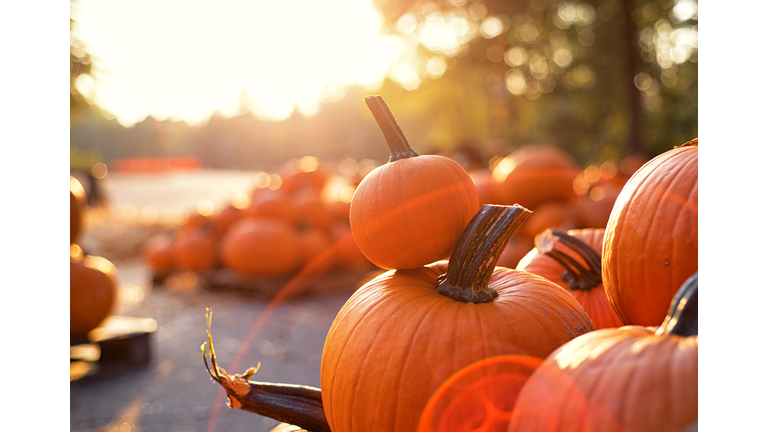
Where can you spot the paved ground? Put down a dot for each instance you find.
(175, 393)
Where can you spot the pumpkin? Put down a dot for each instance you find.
(92, 285)
(515, 250)
(570, 259)
(160, 253)
(348, 256)
(533, 174)
(303, 173)
(410, 211)
(487, 187)
(549, 214)
(196, 249)
(404, 333)
(274, 204)
(310, 210)
(652, 237)
(312, 242)
(226, 217)
(594, 208)
(261, 247)
(77, 205)
(628, 379)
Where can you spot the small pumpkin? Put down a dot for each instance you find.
(92, 290)
(160, 253)
(196, 249)
(533, 174)
(77, 205)
(410, 211)
(401, 335)
(549, 214)
(274, 204)
(652, 236)
(627, 379)
(571, 260)
(261, 247)
(303, 173)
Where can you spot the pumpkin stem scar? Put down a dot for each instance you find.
(577, 275)
(472, 263)
(399, 148)
(294, 404)
(683, 316)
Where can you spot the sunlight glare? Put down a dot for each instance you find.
(184, 60)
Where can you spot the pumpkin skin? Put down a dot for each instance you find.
(651, 240)
(160, 253)
(627, 379)
(594, 301)
(92, 286)
(410, 211)
(77, 205)
(540, 173)
(261, 247)
(396, 340)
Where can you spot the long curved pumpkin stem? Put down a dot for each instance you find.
(294, 404)
(578, 276)
(683, 316)
(399, 148)
(472, 263)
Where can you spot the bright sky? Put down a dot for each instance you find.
(185, 59)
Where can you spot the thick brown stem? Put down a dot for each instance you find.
(577, 275)
(399, 148)
(298, 405)
(683, 316)
(472, 263)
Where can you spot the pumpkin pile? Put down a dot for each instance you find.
(595, 330)
(294, 217)
(92, 279)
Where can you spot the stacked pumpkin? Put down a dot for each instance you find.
(289, 222)
(92, 279)
(429, 322)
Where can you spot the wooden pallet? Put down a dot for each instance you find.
(120, 344)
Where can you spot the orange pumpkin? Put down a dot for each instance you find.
(92, 291)
(196, 249)
(533, 174)
(303, 173)
(160, 253)
(571, 260)
(77, 205)
(487, 187)
(410, 211)
(401, 335)
(549, 214)
(652, 237)
(628, 379)
(261, 247)
(274, 204)
(310, 210)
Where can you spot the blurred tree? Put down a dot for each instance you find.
(600, 78)
(79, 65)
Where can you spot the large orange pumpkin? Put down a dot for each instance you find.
(92, 285)
(652, 237)
(261, 247)
(626, 379)
(571, 260)
(401, 335)
(196, 249)
(160, 253)
(410, 211)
